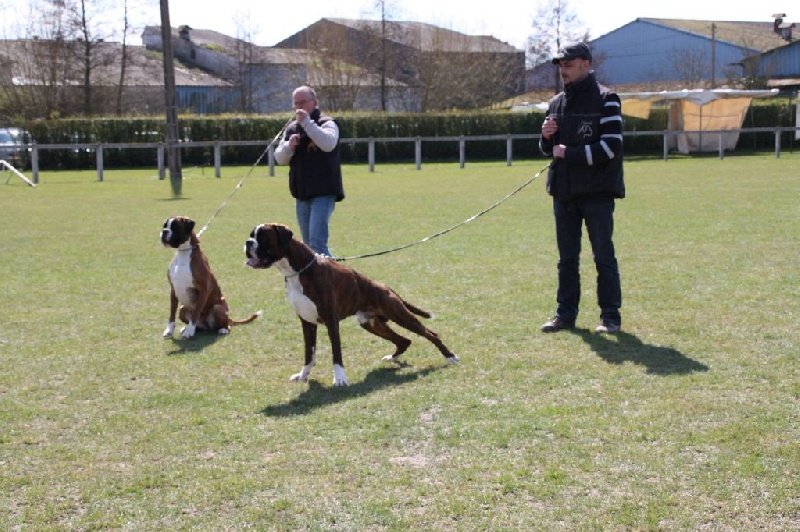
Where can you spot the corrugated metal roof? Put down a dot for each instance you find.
(227, 45)
(144, 67)
(754, 35)
(427, 37)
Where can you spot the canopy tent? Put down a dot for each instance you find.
(693, 111)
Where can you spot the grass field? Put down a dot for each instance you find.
(687, 420)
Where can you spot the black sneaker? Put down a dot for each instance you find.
(557, 323)
(607, 327)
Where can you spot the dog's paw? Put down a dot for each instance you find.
(188, 331)
(169, 330)
(223, 331)
(453, 360)
(303, 375)
(339, 378)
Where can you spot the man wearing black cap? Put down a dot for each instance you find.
(582, 131)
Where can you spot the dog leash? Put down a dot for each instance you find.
(241, 182)
(304, 268)
(449, 229)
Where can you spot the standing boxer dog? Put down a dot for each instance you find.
(322, 291)
(193, 285)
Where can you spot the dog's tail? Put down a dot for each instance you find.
(416, 310)
(246, 320)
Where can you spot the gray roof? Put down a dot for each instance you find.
(144, 67)
(228, 45)
(427, 37)
(758, 36)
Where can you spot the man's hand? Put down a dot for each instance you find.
(302, 117)
(549, 127)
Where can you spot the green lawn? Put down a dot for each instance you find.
(686, 420)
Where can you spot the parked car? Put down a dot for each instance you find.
(14, 146)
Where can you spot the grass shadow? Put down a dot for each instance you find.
(195, 344)
(625, 347)
(318, 396)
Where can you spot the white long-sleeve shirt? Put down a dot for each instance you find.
(325, 137)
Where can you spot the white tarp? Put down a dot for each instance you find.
(695, 111)
(797, 121)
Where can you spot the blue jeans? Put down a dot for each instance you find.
(598, 215)
(313, 216)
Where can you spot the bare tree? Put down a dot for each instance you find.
(467, 72)
(38, 70)
(85, 22)
(746, 74)
(246, 32)
(691, 66)
(554, 24)
(386, 10)
(124, 56)
(346, 61)
(63, 63)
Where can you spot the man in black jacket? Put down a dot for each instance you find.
(310, 147)
(582, 131)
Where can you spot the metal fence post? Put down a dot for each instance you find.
(271, 159)
(35, 163)
(99, 157)
(217, 159)
(371, 155)
(162, 172)
(777, 143)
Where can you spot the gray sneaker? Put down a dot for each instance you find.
(607, 327)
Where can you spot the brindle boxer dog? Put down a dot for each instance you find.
(322, 291)
(193, 285)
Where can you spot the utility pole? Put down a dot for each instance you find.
(173, 152)
(713, 55)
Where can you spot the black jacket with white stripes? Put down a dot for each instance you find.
(590, 126)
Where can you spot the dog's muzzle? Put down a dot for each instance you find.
(166, 234)
(254, 260)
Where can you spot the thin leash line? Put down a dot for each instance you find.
(449, 229)
(241, 182)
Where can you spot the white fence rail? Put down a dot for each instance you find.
(160, 147)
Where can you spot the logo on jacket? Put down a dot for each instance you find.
(585, 130)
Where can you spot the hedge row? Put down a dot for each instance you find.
(354, 125)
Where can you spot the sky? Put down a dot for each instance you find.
(511, 21)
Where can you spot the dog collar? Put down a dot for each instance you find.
(304, 268)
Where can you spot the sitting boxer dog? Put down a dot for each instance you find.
(193, 285)
(322, 291)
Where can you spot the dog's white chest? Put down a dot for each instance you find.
(302, 305)
(180, 275)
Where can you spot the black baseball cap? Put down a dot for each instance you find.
(577, 50)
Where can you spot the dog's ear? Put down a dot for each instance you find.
(284, 236)
(189, 224)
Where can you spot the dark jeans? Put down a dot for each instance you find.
(598, 215)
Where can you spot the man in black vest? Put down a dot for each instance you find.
(582, 131)
(310, 147)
